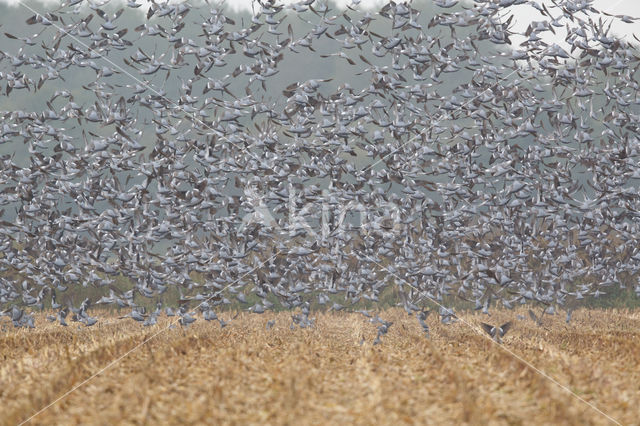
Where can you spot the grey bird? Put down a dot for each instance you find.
(496, 333)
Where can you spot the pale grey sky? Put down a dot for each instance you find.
(628, 7)
(523, 13)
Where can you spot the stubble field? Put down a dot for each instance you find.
(245, 374)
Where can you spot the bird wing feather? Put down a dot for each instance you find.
(488, 328)
(504, 328)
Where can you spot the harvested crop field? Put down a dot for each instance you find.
(244, 374)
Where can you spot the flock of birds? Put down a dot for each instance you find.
(453, 166)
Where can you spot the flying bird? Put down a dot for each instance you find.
(496, 333)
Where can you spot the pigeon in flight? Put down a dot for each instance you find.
(496, 333)
(195, 148)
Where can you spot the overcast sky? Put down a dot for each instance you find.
(523, 13)
(628, 7)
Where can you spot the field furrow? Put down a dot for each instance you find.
(245, 374)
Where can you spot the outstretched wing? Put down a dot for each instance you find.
(489, 329)
(504, 328)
